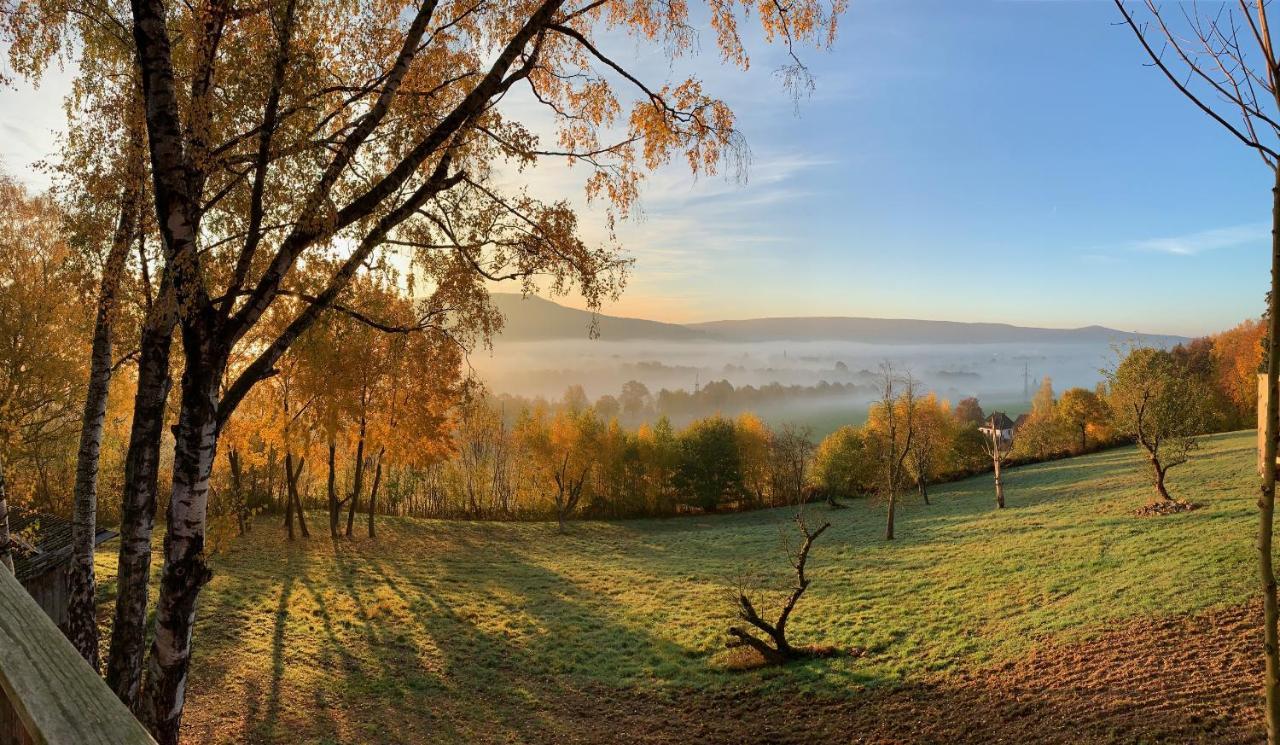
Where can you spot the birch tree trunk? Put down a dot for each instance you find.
(297, 500)
(1267, 498)
(82, 622)
(293, 503)
(288, 496)
(185, 571)
(138, 509)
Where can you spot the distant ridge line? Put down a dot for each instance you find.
(535, 319)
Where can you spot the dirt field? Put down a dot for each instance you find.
(1186, 680)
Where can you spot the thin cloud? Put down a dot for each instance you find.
(1206, 240)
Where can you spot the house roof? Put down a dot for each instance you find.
(44, 542)
(999, 419)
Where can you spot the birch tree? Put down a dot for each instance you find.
(306, 132)
(93, 175)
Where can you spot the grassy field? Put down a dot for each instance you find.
(826, 416)
(455, 631)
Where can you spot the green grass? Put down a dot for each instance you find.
(456, 630)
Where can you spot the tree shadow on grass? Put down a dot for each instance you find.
(262, 724)
(405, 652)
(524, 638)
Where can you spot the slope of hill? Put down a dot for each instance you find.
(908, 331)
(1063, 618)
(537, 319)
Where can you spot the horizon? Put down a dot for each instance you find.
(605, 312)
(923, 171)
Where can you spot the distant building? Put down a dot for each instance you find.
(1000, 424)
(41, 558)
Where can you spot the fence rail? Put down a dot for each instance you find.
(48, 694)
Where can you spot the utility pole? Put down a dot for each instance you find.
(1026, 380)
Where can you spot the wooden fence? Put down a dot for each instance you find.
(48, 694)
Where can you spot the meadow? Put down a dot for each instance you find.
(469, 631)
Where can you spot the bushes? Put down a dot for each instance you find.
(709, 470)
(843, 466)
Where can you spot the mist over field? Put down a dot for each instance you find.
(546, 348)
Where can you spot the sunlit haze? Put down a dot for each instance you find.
(1010, 162)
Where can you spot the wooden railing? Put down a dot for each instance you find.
(48, 694)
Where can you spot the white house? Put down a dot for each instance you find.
(998, 423)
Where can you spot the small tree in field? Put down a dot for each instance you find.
(769, 639)
(932, 437)
(1155, 401)
(891, 433)
(562, 455)
(997, 441)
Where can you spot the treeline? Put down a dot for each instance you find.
(358, 419)
(635, 404)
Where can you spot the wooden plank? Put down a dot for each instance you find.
(11, 730)
(56, 696)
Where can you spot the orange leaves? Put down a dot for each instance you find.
(42, 363)
(685, 119)
(1237, 356)
(583, 86)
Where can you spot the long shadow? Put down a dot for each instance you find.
(261, 725)
(538, 638)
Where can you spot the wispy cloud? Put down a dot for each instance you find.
(1214, 239)
(1099, 258)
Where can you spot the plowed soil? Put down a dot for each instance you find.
(1192, 679)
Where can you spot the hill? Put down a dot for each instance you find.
(1063, 618)
(537, 319)
(909, 331)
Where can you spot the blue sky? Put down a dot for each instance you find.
(961, 160)
(1010, 161)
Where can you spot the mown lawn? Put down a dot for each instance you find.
(454, 631)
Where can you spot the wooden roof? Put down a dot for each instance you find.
(44, 542)
(999, 420)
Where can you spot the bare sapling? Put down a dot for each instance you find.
(769, 639)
